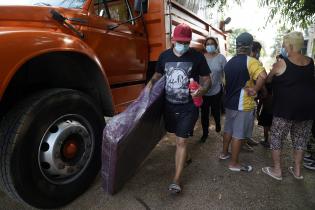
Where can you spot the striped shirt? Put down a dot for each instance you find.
(241, 72)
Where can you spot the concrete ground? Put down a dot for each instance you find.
(208, 184)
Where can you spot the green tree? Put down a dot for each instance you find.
(296, 12)
(221, 3)
(281, 31)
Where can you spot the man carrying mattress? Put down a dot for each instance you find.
(179, 64)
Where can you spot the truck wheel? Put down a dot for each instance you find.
(50, 147)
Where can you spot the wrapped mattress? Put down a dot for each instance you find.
(130, 136)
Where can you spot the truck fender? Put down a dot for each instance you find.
(21, 46)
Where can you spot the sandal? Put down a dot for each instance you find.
(267, 171)
(244, 168)
(291, 170)
(224, 156)
(174, 188)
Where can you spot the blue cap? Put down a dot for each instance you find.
(244, 39)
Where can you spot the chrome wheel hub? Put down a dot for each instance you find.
(66, 149)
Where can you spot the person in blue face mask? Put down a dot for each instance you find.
(181, 47)
(283, 52)
(212, 99)
(179, 64)
(293, 88)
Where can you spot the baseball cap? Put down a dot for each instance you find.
(244, 39)
(182, 32)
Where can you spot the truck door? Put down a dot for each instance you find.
(123, 51)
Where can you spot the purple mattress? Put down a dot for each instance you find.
(130, 136)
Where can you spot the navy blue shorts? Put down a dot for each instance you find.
(180, 119)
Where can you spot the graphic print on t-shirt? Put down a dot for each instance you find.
(177, 78)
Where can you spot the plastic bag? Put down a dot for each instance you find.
(130, 136)
(121, 124)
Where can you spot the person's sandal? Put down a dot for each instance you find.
(244, 168)
(174, 188)
(291, 170)
(224, 156)
(267, 170)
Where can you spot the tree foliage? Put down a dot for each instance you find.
(220, 4)
(232, 40)
(297, 12)
(281, 31)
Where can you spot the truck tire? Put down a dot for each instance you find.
(50, 147)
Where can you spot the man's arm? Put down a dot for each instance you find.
(205, 84)
(156, 76)
(258, 73)
(260, 82)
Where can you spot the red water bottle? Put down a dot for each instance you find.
(193, 86)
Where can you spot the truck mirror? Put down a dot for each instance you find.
(141, 6)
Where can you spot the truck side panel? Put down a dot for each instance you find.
(155, 23)
(200, 27)
(163, 16)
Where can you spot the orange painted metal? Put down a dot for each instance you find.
(70, 148)
(122, 54)
(30, 31)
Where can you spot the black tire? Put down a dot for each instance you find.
(21, 133)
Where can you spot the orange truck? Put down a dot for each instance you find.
(65, 64)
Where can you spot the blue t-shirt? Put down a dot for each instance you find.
(241, 72)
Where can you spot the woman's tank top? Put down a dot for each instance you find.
(294, 92)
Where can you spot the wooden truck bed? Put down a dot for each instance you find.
(164, 15)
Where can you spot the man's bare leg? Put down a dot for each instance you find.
(180, 158)
(236, 147)
(226, 143)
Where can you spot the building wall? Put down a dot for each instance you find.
(310, 48)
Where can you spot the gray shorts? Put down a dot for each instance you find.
(239, 124)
